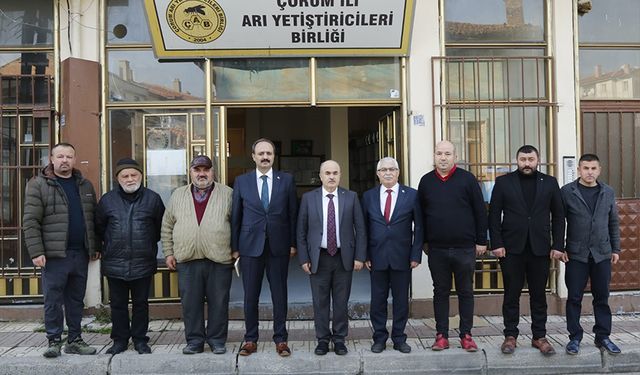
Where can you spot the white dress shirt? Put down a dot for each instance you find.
(383, 198)
(325, 210)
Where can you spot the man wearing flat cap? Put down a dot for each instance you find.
(128, 220)
(196, 241)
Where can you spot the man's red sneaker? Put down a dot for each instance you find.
(468, 344)
(441, 343)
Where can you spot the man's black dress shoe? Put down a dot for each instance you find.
(322, 348)
(142, 347)
(340, 348)
(402, 347)
(193, 349)
(608, 345)
(378, 347)
(118, 347)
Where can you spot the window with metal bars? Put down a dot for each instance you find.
(26, 128)
(492, 93)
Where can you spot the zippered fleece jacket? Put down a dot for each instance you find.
(183, 238)
(46, 215)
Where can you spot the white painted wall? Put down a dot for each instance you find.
(80, 29)
(425, 43)
(563, 51)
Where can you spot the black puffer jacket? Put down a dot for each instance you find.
(129, 226)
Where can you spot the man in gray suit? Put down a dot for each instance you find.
(331, 244)
(592, 245)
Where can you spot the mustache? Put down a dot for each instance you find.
(265, 160)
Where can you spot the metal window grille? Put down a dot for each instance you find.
(489, 107)
(26, 113)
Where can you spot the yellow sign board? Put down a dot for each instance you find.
(269, 28)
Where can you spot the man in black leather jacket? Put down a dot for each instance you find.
(128, 220)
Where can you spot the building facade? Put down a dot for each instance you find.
(488, 75)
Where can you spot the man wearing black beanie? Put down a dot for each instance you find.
(128, 221)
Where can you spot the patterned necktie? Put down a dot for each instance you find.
(264, 198)
(387, 206)
(332, 241)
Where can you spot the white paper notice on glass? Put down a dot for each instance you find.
(166, 162)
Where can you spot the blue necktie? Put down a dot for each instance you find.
(264, 198)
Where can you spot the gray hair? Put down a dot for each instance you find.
(387, 159)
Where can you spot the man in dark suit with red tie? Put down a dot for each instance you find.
(263, 224)
(394, 247)
(331, 244)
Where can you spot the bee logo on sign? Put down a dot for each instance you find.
(196, 21)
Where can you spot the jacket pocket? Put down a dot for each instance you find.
(573, 247)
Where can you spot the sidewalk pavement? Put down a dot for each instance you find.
(22, 344)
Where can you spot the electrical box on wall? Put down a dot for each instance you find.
(80, 109)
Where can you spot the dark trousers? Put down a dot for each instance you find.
(330, 289)
(399, 282)
(460, 262)
(253, 270)
(516, 268)
(119, 291)
(64, 281)
(200, 280)
(576, 276)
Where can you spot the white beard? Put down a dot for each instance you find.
(131, 189)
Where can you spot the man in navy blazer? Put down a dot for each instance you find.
(263, 223)
(331, 244)
(394, 247)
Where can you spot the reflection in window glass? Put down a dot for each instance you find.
(261, 80)
(9, 254)
(29, 90)
(127, 22)
(9, 197)
(158, 140)
(137, 76)
(26, 23)
(496, 78)
(495, 52)
(613, 21)
(9, 141)
(494, 20)
(487, 139)
(609, 74)
(358, 79)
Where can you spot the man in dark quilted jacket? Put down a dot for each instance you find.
(59, 235)
(128, 221)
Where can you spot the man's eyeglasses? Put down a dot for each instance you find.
(385, 170)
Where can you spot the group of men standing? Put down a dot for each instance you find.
(207, 226)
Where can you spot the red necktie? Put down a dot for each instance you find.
(387, 206)
(332, 240)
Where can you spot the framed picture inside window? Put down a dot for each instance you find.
(301, 147)
(305, 169)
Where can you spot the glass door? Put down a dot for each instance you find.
(165, 152)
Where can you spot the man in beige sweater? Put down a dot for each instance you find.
(196, 241)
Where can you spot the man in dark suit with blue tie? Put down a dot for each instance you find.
(395, 236)
(331, 244)
(263, 224)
